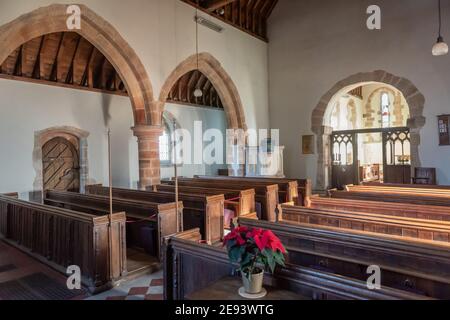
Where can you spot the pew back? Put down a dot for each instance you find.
(184, 254)
(416, 266)
(60, 238)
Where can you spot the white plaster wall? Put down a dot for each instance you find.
(162, 32)
(186, 116)
(27, 108)
(314, 44)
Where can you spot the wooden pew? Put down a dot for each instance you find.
(393, 189)
(406, 198)
(369, 222)
(411, 186)
(160, 216)
(266, 194)
(212, 265)
(61, 238)
(290, 190)
(415, 266)
(199, 211)
(385, 208)
(242, 202)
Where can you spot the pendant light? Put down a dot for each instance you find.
(198, 93)
(440, 48)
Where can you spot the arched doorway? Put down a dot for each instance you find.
(321, 117)
(61, 167)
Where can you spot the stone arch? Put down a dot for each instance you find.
(102, 35)
(414, 98)
(78, 137)
(212, 69)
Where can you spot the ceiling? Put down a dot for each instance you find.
(63, 59)
(66, 59)
(247, 15)
(183, 91)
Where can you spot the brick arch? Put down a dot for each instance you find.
(212, 69)
(102, 35)
(414, 98)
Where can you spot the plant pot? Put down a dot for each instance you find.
(254, 283)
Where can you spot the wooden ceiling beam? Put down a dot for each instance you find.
(213, 5)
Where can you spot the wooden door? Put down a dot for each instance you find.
(344, 148)
(61, 169)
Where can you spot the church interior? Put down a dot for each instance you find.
(281, 150)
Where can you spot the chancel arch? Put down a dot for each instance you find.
(322, 115)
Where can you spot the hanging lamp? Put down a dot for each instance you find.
(440, 48)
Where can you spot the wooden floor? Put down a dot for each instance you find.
(140, 262)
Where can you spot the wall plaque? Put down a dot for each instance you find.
(444, 130)
(308, 144)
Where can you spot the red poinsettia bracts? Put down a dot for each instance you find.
(252, 247)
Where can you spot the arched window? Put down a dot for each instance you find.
(385, 110)
(165, 144)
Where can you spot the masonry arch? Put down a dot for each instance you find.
(103, 36)
(321, 116)
(222, 82)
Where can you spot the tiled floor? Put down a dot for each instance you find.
(149, 287)
(15, 265)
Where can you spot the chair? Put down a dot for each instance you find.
(425, 176)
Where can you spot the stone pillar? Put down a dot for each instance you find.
(149, 163)
(324, 155)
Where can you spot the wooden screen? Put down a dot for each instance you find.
(397, 155)
(60, 165)
(344, 148)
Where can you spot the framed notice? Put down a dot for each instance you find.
(308, 144)
(444, 130)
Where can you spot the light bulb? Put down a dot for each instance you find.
(440, 48)
(198, 93)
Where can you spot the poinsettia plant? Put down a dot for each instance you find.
(251, 248)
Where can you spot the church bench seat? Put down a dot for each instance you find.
(385, 208)
(290, 190)
(410, 264)
(370, 222)
(405, 198)
(161, 217)
(241, 202)
(60, 238)
(400, 190)
(184, 253)
(202, 211)
(267, 194)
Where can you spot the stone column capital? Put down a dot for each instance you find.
(147, 132)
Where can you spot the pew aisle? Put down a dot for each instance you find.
(21, 278)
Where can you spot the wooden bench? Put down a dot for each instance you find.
(61, 238)
(160, 217)
(402, 190)
(414, 266)
(405, 198)
(370, 222)
(242, 202)
(266, 194)
(385, 208)
(211, 264)
(290, 190)
(411, 186)
(199, 211)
